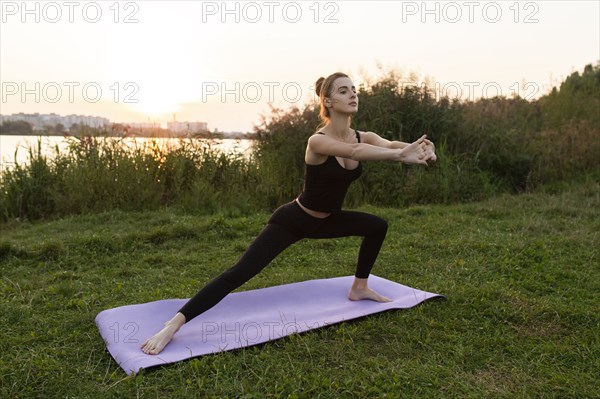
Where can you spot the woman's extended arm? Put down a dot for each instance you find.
(375, 139)
(411, 153)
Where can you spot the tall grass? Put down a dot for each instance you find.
(520, 319)
(98, 173)
(484, 148)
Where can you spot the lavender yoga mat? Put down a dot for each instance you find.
(244, 318)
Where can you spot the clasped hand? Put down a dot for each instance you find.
(421, 152)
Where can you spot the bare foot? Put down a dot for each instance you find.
(356, 294)
(155, 344)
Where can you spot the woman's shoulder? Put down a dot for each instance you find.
(315, 135)
(358, 135)
(367, 136)
(357, 132)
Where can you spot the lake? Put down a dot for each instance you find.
(10, 144)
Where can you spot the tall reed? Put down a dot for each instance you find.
(484, 147)
(99, 173)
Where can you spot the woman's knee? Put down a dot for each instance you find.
(368, 224)
(379, 226)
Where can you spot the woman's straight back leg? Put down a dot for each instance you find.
(272, 240)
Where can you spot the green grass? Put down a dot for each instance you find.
(521, 318)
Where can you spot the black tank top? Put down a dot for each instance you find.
(326, 184)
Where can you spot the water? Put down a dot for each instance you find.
(10, 144)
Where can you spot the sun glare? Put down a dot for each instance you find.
(155, 106)
(159, 97)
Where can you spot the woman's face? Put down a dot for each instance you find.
(343, 98)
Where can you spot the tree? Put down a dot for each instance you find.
(16, 128)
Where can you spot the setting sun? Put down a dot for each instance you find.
(155, 106)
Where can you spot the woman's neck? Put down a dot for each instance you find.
(338, 126)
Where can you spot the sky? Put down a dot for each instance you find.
(224, 62)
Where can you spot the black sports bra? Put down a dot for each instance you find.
(326, 184)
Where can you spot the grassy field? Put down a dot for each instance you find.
(521, 318)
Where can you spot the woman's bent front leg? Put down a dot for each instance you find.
(373, 229)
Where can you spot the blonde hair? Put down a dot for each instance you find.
(324, 88)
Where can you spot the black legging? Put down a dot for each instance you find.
(288, 224)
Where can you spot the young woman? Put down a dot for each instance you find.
(332, 160)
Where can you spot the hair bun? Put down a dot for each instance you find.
(318, 85)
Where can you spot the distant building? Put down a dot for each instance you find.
(144, 125)
(38, 121)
